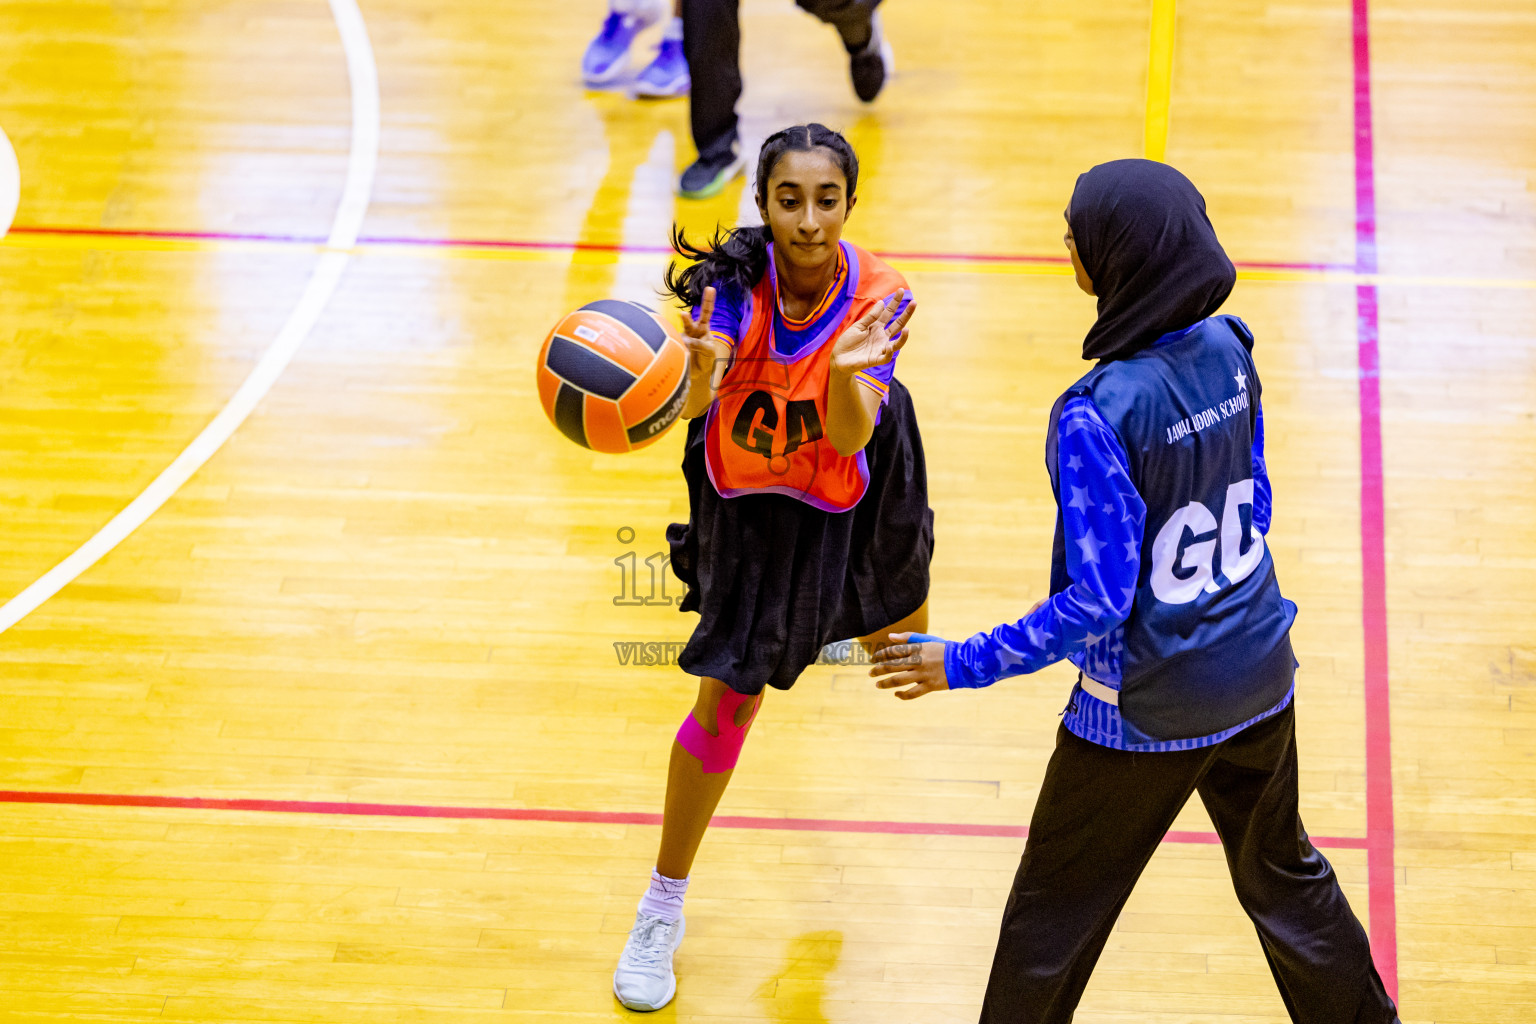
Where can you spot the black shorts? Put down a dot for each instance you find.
(774, 579)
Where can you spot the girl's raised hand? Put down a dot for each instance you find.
(874, 338)
(700, 328)
(706, 356)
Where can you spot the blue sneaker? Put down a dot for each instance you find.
(607, 56)
(666, 76)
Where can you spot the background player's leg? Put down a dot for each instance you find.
(667, 73)
(1317, 951)
(712, 44)
(851, 18)
(869, 55)
(1097, 821)
(692, 793)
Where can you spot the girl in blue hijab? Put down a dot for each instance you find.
(1164, 595)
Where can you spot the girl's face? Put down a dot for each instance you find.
(1083, 280)
(806, 208)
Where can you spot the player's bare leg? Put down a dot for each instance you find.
(703, 760)
(917, 622)
(692, 792)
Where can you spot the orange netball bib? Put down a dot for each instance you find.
(764, 434)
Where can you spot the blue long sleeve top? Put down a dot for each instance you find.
(1103, 520)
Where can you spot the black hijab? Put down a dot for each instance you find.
(1143, 236)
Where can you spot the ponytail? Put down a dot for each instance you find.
(734, 258)
(738, 257)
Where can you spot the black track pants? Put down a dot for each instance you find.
(1100, 817)
(712, 44)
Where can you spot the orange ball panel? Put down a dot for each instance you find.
(655, 388)
(605, 426)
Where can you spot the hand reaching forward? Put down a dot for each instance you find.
(873, 338)
(706, 356)
(913, 660)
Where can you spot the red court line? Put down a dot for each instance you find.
(1014, 259)
(896, 828)
(1379, 829)
(168, 236)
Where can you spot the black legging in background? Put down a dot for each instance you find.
(1099, 818)
(712, 44)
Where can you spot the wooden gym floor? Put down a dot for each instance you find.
(337, 729)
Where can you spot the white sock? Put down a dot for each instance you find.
(674, 30)
(664, 899)
(648, 11)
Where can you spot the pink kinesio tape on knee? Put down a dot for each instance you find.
(718, 753)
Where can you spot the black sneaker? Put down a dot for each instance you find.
(872, 65)
(705, 178)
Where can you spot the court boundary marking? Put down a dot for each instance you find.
(1381, 880)
(562, 247)
(362, 160)
(42, 236)
(1159, 80)
(737, 821)
(10, 183)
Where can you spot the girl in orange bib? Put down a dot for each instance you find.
(809, 519)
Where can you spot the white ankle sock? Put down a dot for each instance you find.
(648, 11)
(664, 899)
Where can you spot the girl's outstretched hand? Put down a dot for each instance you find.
(914, 660)
(873, 338)
(706, 356)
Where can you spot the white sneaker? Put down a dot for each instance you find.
(644, 979)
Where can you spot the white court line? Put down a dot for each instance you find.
(363, 76)
(10, 184)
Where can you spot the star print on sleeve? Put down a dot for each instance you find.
(1102, 511)
(1091, 546)
(1007, 657)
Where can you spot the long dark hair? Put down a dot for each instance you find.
(739, 256)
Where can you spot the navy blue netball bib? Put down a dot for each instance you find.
(1206, 643)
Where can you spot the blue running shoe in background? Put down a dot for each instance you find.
(667, 75)
(607, 56)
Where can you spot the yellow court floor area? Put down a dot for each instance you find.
(319, 699)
